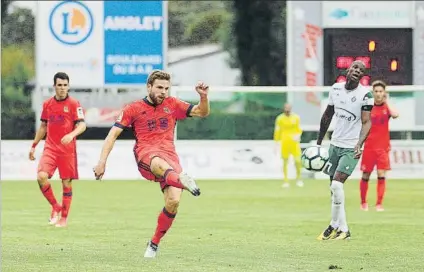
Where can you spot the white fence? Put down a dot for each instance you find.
(101, 108)
(202, 159)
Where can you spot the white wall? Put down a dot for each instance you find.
(212, 68)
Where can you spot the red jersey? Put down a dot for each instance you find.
(379, 137)
(61, 117)
(153, 126)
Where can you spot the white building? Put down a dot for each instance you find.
(208, 63)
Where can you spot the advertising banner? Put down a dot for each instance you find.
(222, 160)
(201, 159)
(69, 38)
(373, 14)
(134, 40)
(100, 42)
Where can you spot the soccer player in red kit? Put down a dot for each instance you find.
(377, 145)
(153, 121)
(62, 119)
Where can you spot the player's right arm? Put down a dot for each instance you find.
(277, 129)
(326, 119)
(277, 134)
(41, 132)
(123, 121)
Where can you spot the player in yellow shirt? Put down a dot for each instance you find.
(287, 134)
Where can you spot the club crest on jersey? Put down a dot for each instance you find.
(65, 109)
(166, 110)
(353, 99)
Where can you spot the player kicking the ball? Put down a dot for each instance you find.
(153, 121)
(377, 146)
(62, 119)
(351, 104)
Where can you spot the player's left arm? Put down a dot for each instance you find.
(80, 126)
(202, 109)
(79, 122)
(367, 105)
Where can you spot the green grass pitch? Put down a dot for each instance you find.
(233, 226)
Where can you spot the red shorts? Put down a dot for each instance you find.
(144, 166)
(66, 164)
(375, 157)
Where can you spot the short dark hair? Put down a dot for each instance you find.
(379, 83)
(60, 75)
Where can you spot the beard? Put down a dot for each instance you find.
(156, 100)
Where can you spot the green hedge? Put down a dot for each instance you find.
(222, 126)
(227, 126)
(17, 124)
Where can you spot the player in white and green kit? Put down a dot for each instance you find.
(350, 103)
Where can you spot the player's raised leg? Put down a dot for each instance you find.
(173, 177)
(166, 217)
(174, 180)
(46, 169)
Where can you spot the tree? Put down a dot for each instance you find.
(17, 68)
(18, 27)
(259, 29)
(196, 22)
(4, 8)
(17, 64)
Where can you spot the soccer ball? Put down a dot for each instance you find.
(314, 158)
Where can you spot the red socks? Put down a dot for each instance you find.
(165, 220)
(363, 186)
(47, 191)
(66, 200)
(381, 189)
(172, 179)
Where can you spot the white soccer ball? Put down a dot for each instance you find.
(314, 158)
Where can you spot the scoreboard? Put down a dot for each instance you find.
(323, 38)
(387, 54)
